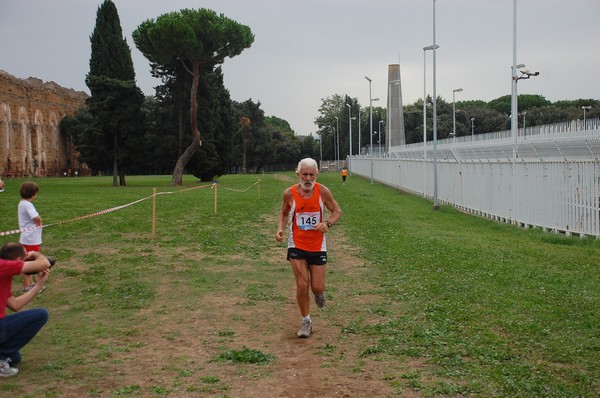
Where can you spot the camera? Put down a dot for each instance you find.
(50, 260)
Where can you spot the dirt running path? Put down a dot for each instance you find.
(327, 364)
(175, 345)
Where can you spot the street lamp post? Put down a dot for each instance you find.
(513, 110)
(359, 147)
(321, 150)
(435, 164)
(337, 134)
(379, 140)
(371, 127)
(585, 108)
(457, 90)
(350, 136)
(513, 102)
(425, 49)
(525, 74)
(472, 128)
(333, 154)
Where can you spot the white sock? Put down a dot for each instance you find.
(306, 318)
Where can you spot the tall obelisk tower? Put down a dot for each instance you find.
(395, 134)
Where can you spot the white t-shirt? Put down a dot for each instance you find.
(32, 235)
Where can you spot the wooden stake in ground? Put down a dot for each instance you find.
(215, 185)
(153, 212)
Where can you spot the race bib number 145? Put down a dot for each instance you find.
(309, 220)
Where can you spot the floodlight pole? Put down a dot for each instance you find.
(359, 147)
(513, 111)
(337, 152)
(332, 127)
(585, 108)
(457, 90)
(321, 150)
(379, 140)
(513, 102)
(425, 49)
(371, 127)
(436, 206)
(349, 137)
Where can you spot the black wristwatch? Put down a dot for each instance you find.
(329, 224)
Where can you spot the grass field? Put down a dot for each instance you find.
(457, 305)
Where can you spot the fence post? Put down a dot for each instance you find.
(153, 213)
(215, 188)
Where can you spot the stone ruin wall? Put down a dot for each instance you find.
(30, 139)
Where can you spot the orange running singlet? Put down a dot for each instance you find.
(306, 214)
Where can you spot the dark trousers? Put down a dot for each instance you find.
(16, 330)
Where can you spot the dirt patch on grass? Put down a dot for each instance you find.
(285, 178)
(183, 352)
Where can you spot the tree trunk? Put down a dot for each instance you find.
(182, 161)
(245, 139)
(122, 177)
(244, 145)
(115, 165)
(196, 143)
(181, 131)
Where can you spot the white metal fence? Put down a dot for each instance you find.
(553, 183)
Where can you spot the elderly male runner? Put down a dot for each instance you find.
(305, 202)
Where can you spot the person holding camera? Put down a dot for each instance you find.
(17, 329)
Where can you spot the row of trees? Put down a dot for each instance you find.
(120, 131)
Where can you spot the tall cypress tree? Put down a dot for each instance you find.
(116, 101)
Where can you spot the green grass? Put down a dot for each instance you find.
(482, 309)
(501, 311)
(245, 355)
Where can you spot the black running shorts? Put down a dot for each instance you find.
(312, 258)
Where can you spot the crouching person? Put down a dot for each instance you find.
(18, 328)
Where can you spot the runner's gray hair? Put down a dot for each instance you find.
(307, 162)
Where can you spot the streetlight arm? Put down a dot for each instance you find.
(432, 47)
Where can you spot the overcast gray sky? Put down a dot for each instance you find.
(306, 50)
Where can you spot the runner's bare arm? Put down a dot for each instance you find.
(286, 206)
(331, 204)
